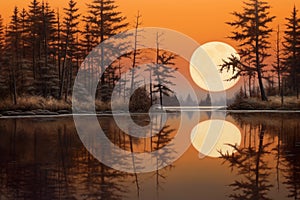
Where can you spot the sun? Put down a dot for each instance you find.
(210, 141)
(218, 52)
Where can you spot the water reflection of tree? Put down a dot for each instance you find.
(46, 160)
(159, 139)
(164, 136)
(251, 166)
(291, 154)
(284, 129)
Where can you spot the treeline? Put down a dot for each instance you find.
(41, 50)
(252, 32)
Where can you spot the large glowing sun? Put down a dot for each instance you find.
(217, 52)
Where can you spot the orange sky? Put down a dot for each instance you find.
(202, 20)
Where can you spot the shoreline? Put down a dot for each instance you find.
(49, 114)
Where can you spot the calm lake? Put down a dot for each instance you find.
(44, 158)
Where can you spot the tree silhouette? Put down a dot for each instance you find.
(47, 80)
(4, 89)
(292, 49)
(206, 102)
(34, 26)
(13, 48)
(290, 156)
(163, 71)
(105, 22)
(70, 48)
(135, 52)
(278, 66)
(252, 33)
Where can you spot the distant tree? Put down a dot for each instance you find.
(252, 31)
(292, 49)
(208, 100)
(163, 71)
(70, 48)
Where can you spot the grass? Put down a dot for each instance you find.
(33, 103)
(29, 103)
(274, 103)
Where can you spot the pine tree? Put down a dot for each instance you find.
(26, 82)
(13, 52)
(2, 40)
(163, 71)
(87, 43)
(292, 49)
(57, 46)
(253, 32)
(4, 70)
(47, 79)
(105, 22)
(70, 47)
(35, 27)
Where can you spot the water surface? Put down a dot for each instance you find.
(44, 158)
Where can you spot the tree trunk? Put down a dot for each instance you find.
(102, 49)
(64, 64)
(250, 89)
(281, 93)
(46, 58)
(134, 52)
(257, 57)
(258, 159)
(58, 48)
(14, 85)
(67, 83)
(62, 83)
(151, 92)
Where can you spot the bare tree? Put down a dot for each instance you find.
(278, 66)
(135, 51)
